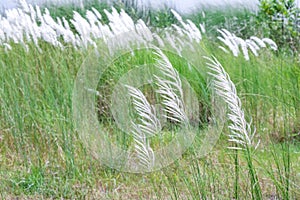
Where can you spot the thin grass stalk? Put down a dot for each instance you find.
(286, 145)
(255, 186)
(236, 183)
(279, 184)
(287, 168)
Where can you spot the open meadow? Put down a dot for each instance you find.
(122, 102)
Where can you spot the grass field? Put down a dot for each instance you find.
(42, 155)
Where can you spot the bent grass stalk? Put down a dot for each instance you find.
(241, 134)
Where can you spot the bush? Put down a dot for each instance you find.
(281, 20)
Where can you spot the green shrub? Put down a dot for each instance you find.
(281, 20)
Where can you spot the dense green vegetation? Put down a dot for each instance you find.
(41, 155)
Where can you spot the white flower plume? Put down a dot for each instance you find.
(147, 125)
(170, 88)
(254, 44)
(241, 132)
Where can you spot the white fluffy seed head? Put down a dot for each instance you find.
(271, 43)
(241, 132)
(254, 44)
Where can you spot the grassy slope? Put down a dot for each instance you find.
(41, 155)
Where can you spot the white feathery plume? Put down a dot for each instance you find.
(93, 21)
(223, 49)
(190, 28)
(176, 15)
(202, 28)
(30, 24)
(6, 47)
(258, 41)
(148, 125)
(243, 45)
(59, 23)
(179, 30)
(32, 13)
(143, 30)
(2, 35)
(171, 41)
(66, 24)
(142, 147)
(241, 132)
(23, 4)
(92, 18)
(116, 24)
(159, 40)
(252, 46)
(254, 43)
(196, 32)
(228, 40)
(181, 43)
(96, 12)
(271, 43)
(126, 20)
(170, 89)
(39, 13)
(81, 25)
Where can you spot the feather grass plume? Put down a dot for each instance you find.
(241, 132)
(147, 125)
(142, 147)
(170, 89)
(254, 44)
